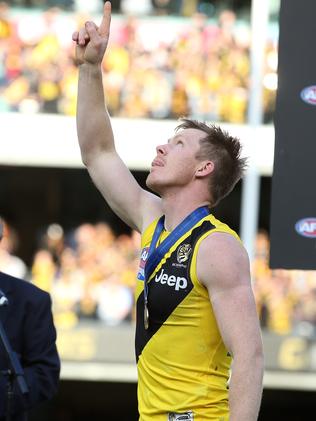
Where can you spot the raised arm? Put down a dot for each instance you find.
(223, 267)
(129, 201)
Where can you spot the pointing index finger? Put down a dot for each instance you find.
(104, 28)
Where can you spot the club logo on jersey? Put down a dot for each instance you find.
(178, 282)
(185, 416)
(142, 263)
(183, 253)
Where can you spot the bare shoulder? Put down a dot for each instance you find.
(222, 262)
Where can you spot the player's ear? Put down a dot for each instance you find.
(204, 168)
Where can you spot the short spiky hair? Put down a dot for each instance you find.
(224, 150)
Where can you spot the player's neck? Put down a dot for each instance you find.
(176, 208)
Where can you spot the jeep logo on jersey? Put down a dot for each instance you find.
(183, 253)
(177, 282)
(308, 95)
(306, 227)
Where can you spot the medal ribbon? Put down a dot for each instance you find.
(156, 254)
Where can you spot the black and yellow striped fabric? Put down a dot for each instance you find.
(183, 365)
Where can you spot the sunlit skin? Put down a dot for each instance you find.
(175, 166)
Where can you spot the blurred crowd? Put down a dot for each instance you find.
(91, 275)
(155, 67)
(90, 272)
(286, 299)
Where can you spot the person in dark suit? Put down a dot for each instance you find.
(28, 324)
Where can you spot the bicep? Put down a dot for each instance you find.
(224, 269)
(134, 205)
(237, 319)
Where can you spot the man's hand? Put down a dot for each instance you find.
(92, 41)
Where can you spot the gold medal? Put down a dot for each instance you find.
(146, 316)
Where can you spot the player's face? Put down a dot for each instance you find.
(175, 163)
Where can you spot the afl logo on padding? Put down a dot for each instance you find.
(308, 95)
(306, 227)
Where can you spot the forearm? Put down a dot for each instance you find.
(93, 122)
(245, 388)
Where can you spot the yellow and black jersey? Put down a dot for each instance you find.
(183, 365)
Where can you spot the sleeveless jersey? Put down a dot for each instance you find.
(183, 365)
